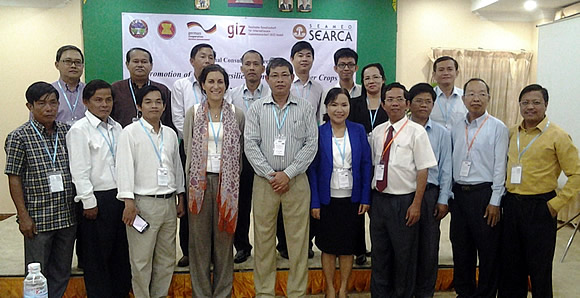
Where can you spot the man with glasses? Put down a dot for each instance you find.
(449, 109)
(480, 143)
(539, 151)
(402, 155)
(70, 63)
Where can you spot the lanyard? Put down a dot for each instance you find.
(53, 158)
(133, 94)
(110, 144)
(278, 123)
(531, 142)
(373, 117)
(158, 152)
(215, 136)
(469, 145)
(246, 99)
(391, 141)
(73, 107)
(301, 93)
(343, 151)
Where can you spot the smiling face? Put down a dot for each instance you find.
(44, 110)
(302, 61)
(138, 65)
(533, 108)
(345, 68)
(252, 67)
(214, 86)
(152, 107)
(445, 73)
(476, 98)
(100, 104)
(421, 106)
(395, 104)
(70, 66)
(338, 109)
(373, 80)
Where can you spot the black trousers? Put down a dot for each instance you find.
(183, 222)
(429, 235)
(395, 246)
(471, 237)
(528, 243)
(107, 271)
(241, 238)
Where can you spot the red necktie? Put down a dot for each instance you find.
(382, 184)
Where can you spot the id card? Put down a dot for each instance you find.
(140, 224)
(162, 176)
(516, 177)
(215, 162)
(279, 145)
(379, 172)
(55, 181)
(465, 166)
(344, 179)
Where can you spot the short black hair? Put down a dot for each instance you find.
(141, 93)
(381, 72)
(68, 48)
(345, 53)
(92, 87)
(394, 85)
(421, 88)
(211, 68)
(534, 87)
(299, 46)
(478, 80)
(198, 47)
(38, 90)
(252, 52)
(277, 62)
(331, 96)
(445, 58)
(128, 55)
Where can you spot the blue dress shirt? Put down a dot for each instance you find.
(440, 139)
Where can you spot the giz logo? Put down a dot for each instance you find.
(236, 29)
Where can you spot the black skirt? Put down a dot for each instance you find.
(339, 227)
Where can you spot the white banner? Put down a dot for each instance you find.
(170, 38)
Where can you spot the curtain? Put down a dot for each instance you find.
(506, 73)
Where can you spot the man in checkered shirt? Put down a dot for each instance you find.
(41, 187)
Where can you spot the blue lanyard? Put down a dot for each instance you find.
(133, 93)
(247, 98)
(373, 117)
(111, 145)
(530, 143)
(158, 152)
(343, 151)
(278, 123)
(301, 93)
(73, 107)
(215, 136)
(53, 158)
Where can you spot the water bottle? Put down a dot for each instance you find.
(35, 285)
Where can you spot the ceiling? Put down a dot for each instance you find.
(513, 10)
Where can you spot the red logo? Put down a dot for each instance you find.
(166, 30)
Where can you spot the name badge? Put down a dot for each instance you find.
(465, 166)
(379, 172)
(516, 177)
(344, 179)
(162, 176)
(279, 146)
(215, 163)
(55, 181)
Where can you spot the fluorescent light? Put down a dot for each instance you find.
(530, 5)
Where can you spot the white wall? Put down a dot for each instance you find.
(30, 38)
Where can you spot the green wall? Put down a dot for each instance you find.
(377, 28)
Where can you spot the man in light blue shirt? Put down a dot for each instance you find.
(434, 206)
(448, 108)
(480, 143)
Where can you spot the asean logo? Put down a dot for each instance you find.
(166, 30)
(299, 32)
(138, 28)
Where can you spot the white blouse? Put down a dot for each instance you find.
(340, 167)
(214, 150)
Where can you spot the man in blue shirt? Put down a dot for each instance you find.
(480, 143)
(437, 192)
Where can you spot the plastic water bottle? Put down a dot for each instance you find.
(35, 285)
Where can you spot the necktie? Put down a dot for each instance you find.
(382, 184)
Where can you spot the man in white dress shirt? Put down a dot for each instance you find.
(448, 108)
(92, 146)
(150, 176)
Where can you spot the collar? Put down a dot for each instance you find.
(541, 126)
(299, 82)
(397, 125)
(41, 127)
(62, 83)
(94, 121)
(477, 120)
(456, 91)
(354, 86)
(291, 100)
(193, 80)
(258, 89)
(149, 127)
(428, 125)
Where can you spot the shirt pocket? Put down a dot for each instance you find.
(403, 156)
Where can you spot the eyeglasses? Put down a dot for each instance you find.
(374, 78)
(69, 62)
(478, 95)
(421, 101)
(344, 65)
(535, 103)
(398, 99)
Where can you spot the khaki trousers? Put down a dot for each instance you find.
(152, 253)
(296, 206)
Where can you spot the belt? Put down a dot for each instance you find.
(471, 188)
(431, 185)
(165, 196)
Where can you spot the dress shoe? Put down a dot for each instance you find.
(284, 254)
(361, 260)
(183, 262)
(242, 256)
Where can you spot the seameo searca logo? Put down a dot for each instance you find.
(299, 31)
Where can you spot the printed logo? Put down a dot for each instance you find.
(211, 30)
(138, 28)
(166, 30)
(299, 31)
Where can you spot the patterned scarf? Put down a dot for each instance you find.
(229, 176)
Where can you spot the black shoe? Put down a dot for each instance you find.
(361, 260)
(368, 253)
(183, 262)
(310, 253)
(242, 256)
(284, 254)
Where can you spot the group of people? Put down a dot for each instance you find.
(308, 163)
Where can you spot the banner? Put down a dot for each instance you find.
(170, 38)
